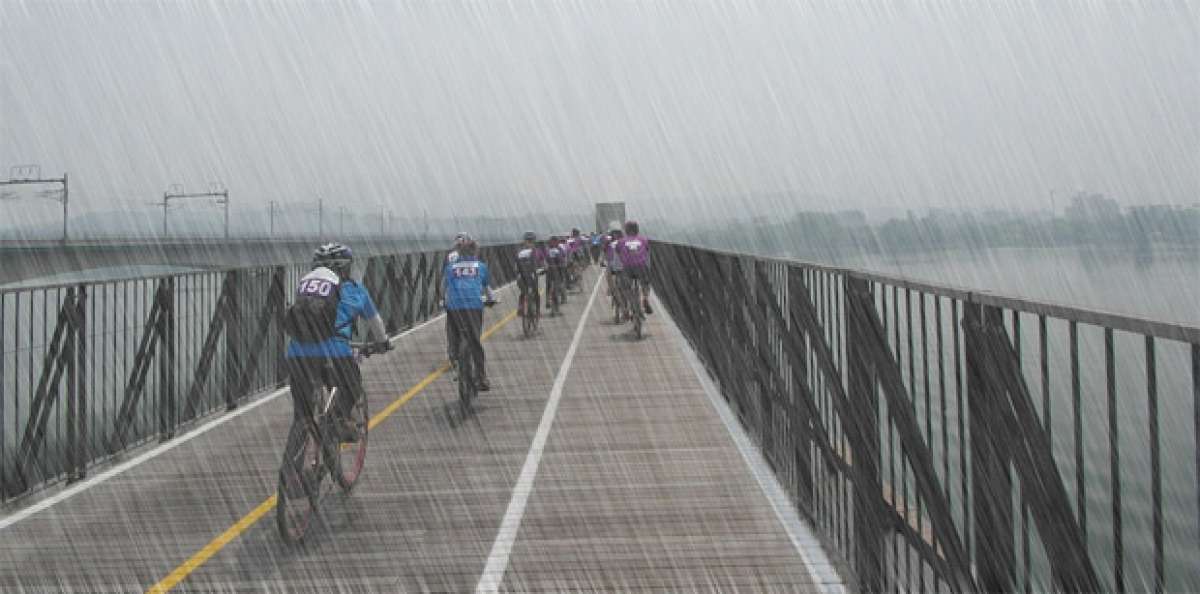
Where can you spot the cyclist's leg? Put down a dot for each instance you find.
(304, 378)
(451, 339)
(523, 293)
(454, 327)
(348, 378)
(303, 375)
(473, 320)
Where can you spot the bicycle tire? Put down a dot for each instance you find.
(527, 321)
(351, 457)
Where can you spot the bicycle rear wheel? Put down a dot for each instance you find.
(352, 455)
(299, 484)
(528, 322)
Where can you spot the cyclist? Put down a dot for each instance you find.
(528, 264)
(597, 244)
(321, 322)
(634, 252)
(466, 282)
(556, 261)
(452, 257)
(612, 262)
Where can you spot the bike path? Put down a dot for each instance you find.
(641, 485)
(421, 517)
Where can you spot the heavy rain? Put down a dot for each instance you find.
(671, 296)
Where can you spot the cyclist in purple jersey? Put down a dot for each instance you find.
(634, 252)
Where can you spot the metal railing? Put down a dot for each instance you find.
(942, 439)
(89, 370)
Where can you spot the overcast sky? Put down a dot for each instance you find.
(676, 107)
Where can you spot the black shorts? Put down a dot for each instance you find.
(641, 273)
(306, 374)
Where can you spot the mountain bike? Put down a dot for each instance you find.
(317, 447)
(531, 311)
(465, 373)
(554, 291)
(617, 291)
(633, 304)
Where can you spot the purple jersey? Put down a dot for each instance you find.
(634, 251)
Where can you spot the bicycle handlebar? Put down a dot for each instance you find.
(366, 349)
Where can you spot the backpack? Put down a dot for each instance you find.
(313, 317)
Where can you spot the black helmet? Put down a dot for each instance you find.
(631, 227)
(334, 256)
(530, 236)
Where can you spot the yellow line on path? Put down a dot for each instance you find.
(203, 555)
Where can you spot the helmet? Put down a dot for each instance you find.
(530, 236)
(335, 257)
(631, 227)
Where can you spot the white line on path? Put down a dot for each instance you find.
(810, 549)
(101, 478)
(497, 563)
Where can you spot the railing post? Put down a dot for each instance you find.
(81, 450)
(68, 357)
(166, 360)
(766, 387)
(991, 480)
(798, 362)
(869, 528)
(280, 341)
(233, 335)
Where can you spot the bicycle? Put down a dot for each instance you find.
(554, 290)
(617, 290)
(531, 311)
(315, 448)
(633, 303)
(466, 374)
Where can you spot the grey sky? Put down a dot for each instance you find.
(673, 106)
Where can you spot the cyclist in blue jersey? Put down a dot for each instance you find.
(466, 282)
(327, 296)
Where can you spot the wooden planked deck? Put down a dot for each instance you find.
(640, 486)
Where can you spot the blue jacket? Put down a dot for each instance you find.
(465, 281)
(354, 303)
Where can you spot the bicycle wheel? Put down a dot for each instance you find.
(299, 484)
(352, 455)
(537, 314)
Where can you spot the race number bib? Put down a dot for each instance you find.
(317, 287)
(525, 254)
(634, 245)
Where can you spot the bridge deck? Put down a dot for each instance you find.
(639, 485)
